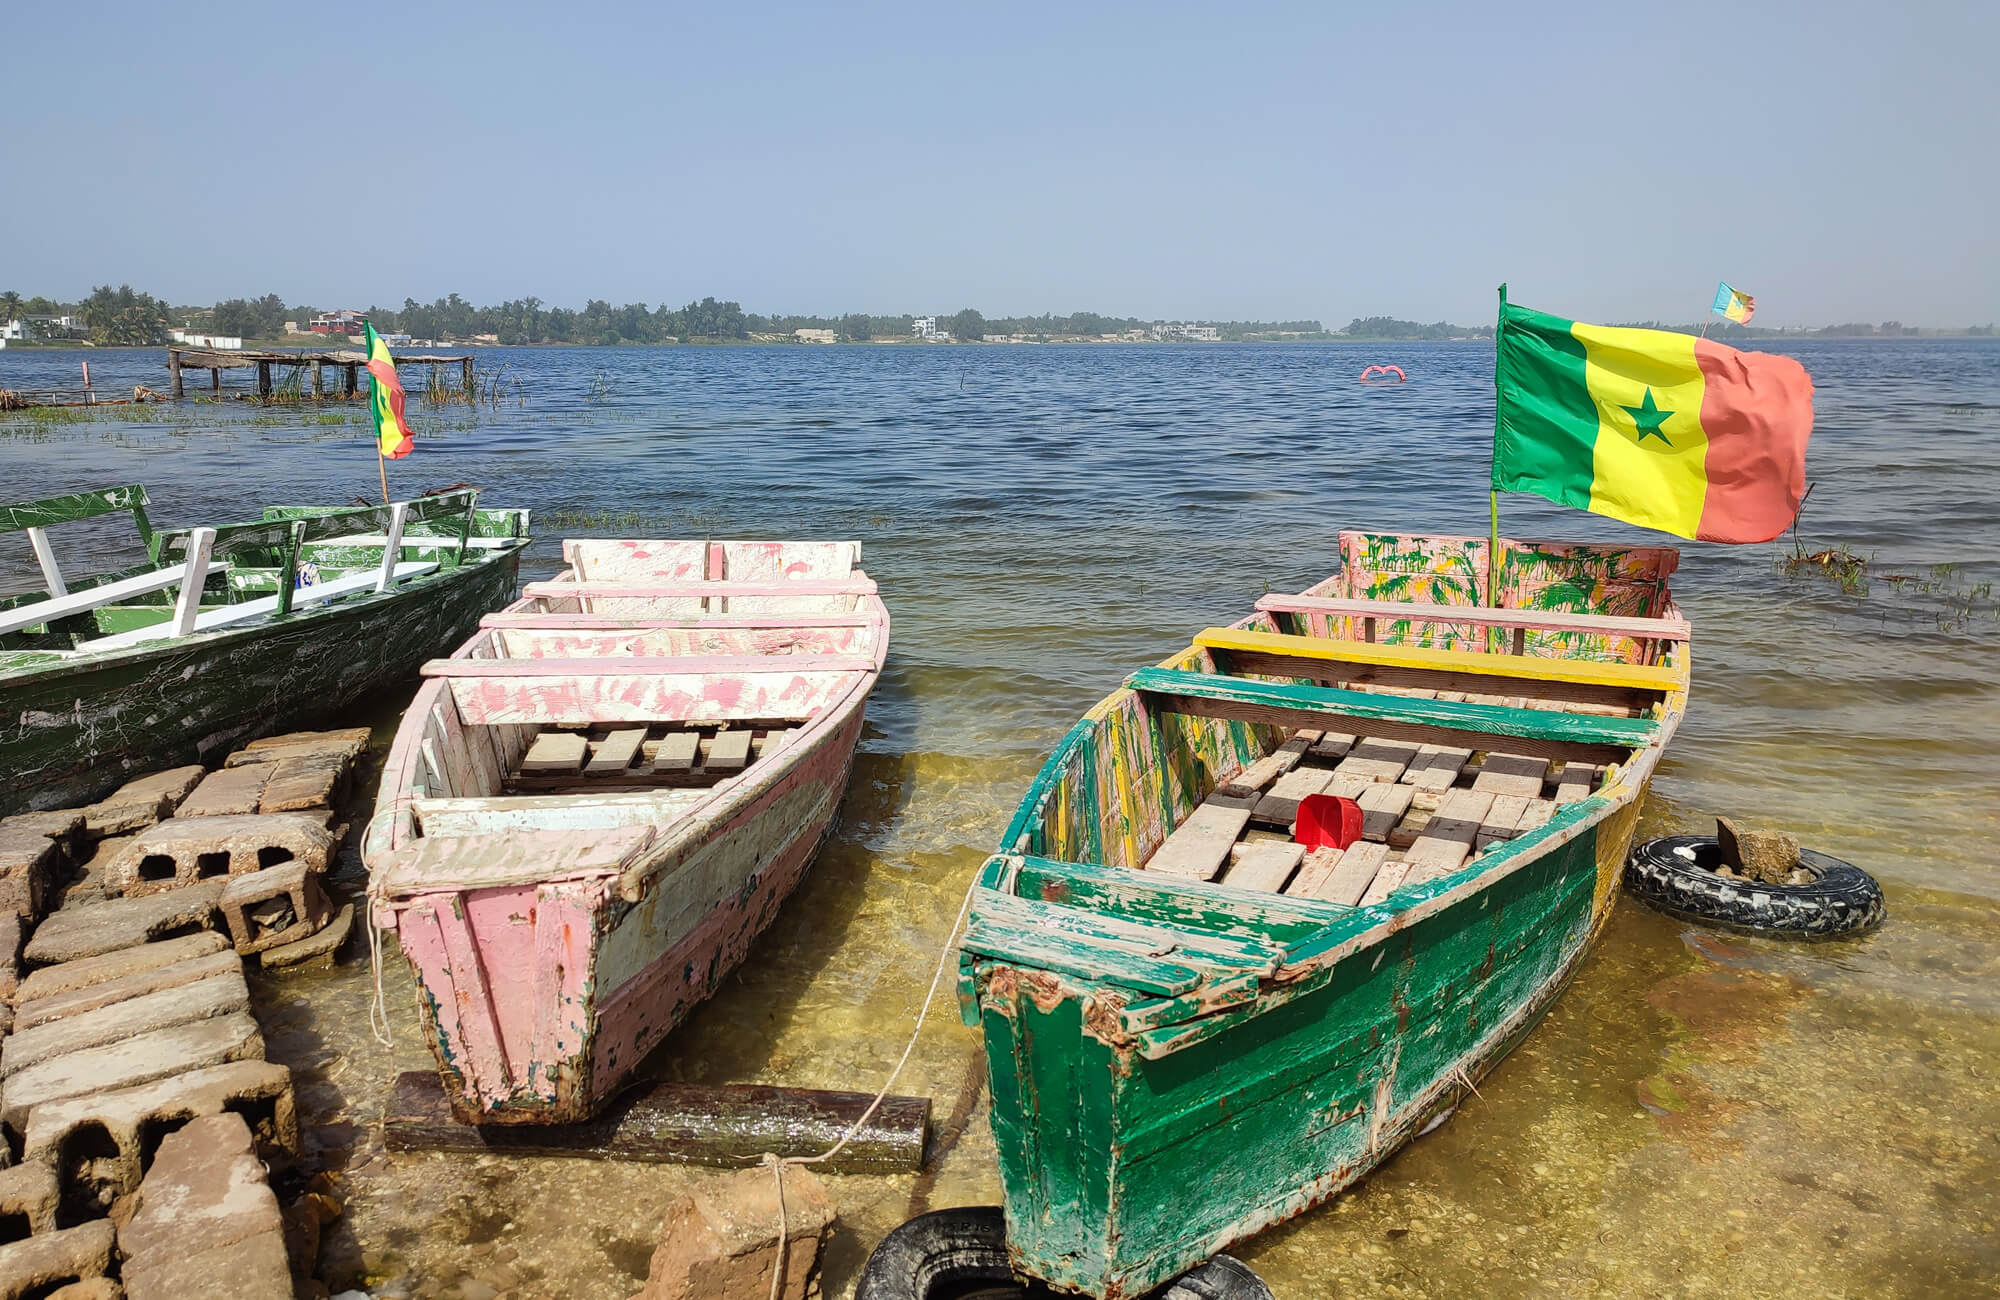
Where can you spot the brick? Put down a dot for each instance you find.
(71, 1136)
(272, 908)
(92, 1288)
(316, 952)
(28, 1196)
(721, 1241)
(97, 928)
(161, 1009)
(43, 1262)
(232, 790)
(181, 852)
(348, 744)
(130, 1062)
(308, 781)
(34, 857)
(53, 981)
(206, 1222)
(140, 803)
(75, 1002)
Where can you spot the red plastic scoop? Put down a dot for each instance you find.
(1327, 821)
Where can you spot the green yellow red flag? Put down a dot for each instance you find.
(1656, 428)
(385, 395)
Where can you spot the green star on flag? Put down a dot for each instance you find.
(1649, 417)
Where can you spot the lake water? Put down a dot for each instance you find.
(1698, 1116)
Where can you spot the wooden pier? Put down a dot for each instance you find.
(347, 364)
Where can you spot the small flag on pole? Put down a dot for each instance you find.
(385, 395)
(1656, 428)
(1734, 304)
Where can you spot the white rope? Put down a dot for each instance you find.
(378, 1010)
(777, 1163)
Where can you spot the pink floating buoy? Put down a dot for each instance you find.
(1380, 375)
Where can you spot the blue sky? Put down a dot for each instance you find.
(1202, 160)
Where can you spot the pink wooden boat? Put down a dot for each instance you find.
(596, 804)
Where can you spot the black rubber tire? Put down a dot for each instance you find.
(1842, 899)
(961, 1254)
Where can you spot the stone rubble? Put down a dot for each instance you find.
(720, 1242)
(132, 1076)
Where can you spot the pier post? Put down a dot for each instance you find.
(465, 367)
(215, 378)
(319, 379)
(264, 380)
(174, 373)
(350, 379)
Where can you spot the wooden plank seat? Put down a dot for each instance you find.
(1526, 620)
(597, 589)
(565, 621)
(82, 602)
(1541, 733)
(568, 813)
(225, 615)
(642, 666)
(416, 540)
(1174, 943)
(489, 861)
(1331, 660)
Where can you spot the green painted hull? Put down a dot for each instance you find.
(73, 731)
(1176, 1065)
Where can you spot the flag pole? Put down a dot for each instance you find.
(383, 466)
(1493, 497)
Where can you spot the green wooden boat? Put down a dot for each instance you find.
(1195, 1027)
(230, 632)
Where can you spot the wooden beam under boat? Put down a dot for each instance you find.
(731, 1125)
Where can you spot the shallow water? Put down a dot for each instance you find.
(1699, 1115)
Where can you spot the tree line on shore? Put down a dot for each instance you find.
(126, 317)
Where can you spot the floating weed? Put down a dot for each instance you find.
(1843, 566)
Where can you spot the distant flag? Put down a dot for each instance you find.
(385, 394)
(1659, 429)
(1734, 304)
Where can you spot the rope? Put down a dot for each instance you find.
(777, 1163)
(378, 1010)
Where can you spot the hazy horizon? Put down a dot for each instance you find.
(1179, 162)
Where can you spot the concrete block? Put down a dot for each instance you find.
(230, 791)
(34, 859)
(274, 907)
(94, 1288)
(69, 976)
(141, 1059)
(101, 1144)
(346, 745)
(75, 1002)
(308, 781)
(162, 1009)
(141, 802)
(41, 1263)
(316, 952)
(28, 1198)
(186, 850)
(721, 1241)
(97, 928)
(206, 1222)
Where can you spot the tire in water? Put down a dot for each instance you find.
(961, 1254)
(1841, 898)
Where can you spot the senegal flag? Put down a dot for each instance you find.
(385, 394)
(1658, 429)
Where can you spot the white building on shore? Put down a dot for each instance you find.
(924, 327)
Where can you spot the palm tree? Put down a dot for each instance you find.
(10, 306)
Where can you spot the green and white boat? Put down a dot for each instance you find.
(1195, 1027)
(230, 632)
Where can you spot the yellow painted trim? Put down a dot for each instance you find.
(1583, 671)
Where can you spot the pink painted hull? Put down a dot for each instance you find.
(543, 990)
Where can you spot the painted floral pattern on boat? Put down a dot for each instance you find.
(1557, 576)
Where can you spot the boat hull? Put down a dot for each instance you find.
(575, 984)
(71, 733)
(1126, 1162)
